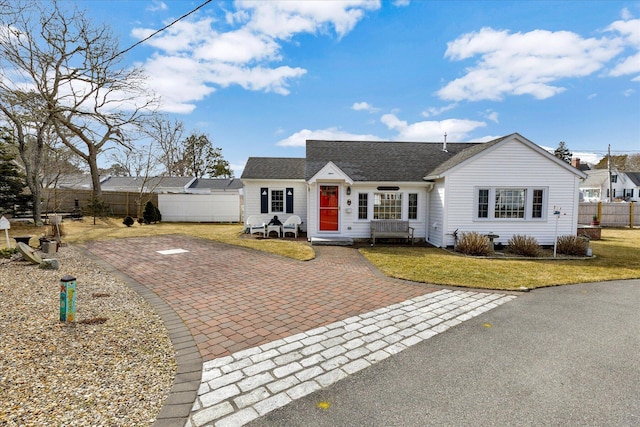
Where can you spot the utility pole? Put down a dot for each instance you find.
(610, 176)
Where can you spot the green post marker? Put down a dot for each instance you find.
(67, 299)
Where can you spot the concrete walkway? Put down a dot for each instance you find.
(271, 329)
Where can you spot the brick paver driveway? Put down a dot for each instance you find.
(233, 298)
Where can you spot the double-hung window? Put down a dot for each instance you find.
(511, 203)
(277, 201)
(363, 205)
(413, 206)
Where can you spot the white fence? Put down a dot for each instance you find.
(610, 214)
(215, 207)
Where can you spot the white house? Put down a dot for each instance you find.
(624, 185)
(506, 186)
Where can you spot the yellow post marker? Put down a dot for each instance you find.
(67, 299)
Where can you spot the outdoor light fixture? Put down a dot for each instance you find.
(348, 191)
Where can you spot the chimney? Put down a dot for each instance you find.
(575, 162)
(444, 146)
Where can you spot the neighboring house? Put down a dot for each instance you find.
(160, 184)
(506, 186)
(624, 185)
(215, 185)
(74, 182)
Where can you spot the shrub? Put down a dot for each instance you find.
(140, 220)
(128, 221)
(524, 245)
(572, 245)
(473, 243)
(7, 252)
(151, 213)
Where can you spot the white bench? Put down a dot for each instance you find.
(390, 228)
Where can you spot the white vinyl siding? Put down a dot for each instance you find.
(252, 197)
(509, 165)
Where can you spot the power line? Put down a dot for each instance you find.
(160, 30)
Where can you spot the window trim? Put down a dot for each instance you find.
(398, 198)
(417, 206)
(528, 203)
(284, 202)
(365, 206)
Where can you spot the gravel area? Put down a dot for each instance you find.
(113, 366)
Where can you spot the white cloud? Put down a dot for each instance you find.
(198, 55)
(627, 93)
(629, 31)
(401, 3)
(435, 111)
(364, 106)
(299, 139)
(456, 129)
(284, 19)
(491, 115)
(523, 63)
(225, 48)
(157, 5)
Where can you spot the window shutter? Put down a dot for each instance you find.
(264, 200)
(289, 200)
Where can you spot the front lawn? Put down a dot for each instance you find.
(79, 232)
(617, 256)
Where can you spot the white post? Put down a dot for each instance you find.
(556, 212)
(5, 225)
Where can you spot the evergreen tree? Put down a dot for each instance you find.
(11, 181)
(202, 159)
(563, 153)
(151, 213)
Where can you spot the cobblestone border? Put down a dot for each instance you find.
(239, 388)
(177, 407)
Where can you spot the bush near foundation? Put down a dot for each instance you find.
(523, 245)
(151, 213)
(572, 245)
(472, 243)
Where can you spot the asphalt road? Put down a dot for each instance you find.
(565, 356)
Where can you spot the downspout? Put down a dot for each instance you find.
(429, 188)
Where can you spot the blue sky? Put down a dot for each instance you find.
(259, 78)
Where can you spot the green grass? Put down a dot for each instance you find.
(79, 232)
(616, 256)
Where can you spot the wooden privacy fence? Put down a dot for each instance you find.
(120, 203)
(610, 214)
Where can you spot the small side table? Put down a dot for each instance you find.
(277, 228)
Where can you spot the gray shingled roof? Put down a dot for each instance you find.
(382, 161)
(274, 168)
(634, 177)
(151, 182)
(217, 183)
(377, 161)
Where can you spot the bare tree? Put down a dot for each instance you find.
(167, 134)
(29, 125)
(73, 67)
(633, 163)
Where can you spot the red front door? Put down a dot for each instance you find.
(328, 208)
